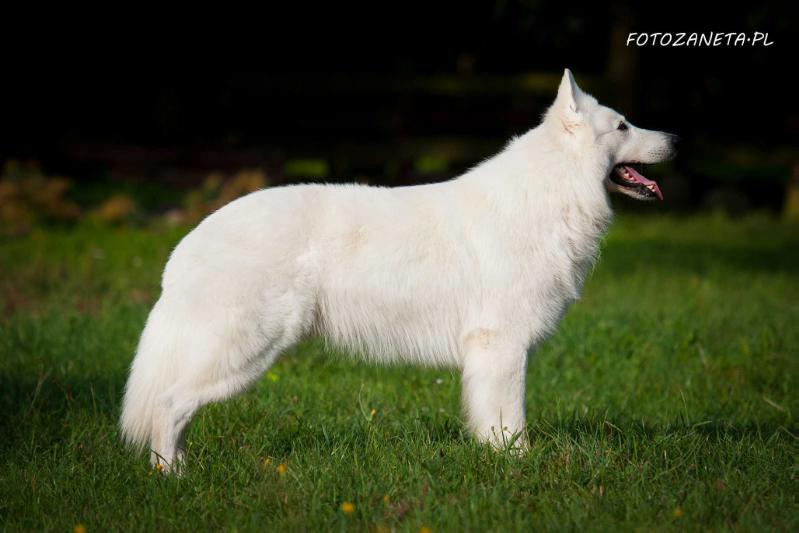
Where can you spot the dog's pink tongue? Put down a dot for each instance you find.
(640, 179)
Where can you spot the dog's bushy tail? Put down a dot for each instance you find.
(153, 370)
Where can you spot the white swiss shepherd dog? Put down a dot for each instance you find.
(472, 273)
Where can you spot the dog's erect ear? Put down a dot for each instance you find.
(569, 97)
(567, 109)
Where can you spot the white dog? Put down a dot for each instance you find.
(472, 273)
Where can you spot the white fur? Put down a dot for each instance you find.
(472, 273)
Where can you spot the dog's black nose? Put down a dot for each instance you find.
(674, 138)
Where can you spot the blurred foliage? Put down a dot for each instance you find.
(711, 180)
(28, 198)
(431, 165)
(791, 208)
(118, 208)
(307, 168)
(737, 163)
(215, 192)
(31, 199)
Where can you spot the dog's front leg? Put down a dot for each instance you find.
(493, 388)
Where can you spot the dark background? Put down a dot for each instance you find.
(392, 94)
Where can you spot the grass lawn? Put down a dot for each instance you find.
(664, 402)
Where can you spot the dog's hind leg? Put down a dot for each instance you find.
(493, 388)
(176, 406)
(228, 356)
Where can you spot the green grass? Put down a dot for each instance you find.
(665, 401)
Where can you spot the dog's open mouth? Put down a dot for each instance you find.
(626, 180)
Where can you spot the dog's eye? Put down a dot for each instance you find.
(622, 126)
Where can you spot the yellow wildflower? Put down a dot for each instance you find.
(347, 508)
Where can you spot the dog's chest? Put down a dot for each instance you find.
(576, 245)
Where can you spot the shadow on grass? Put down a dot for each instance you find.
(621, 428)
(48, 408)
(52, 410)
(699, 258)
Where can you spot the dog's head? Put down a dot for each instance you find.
(613, 142)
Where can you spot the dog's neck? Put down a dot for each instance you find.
(540, 192)
(551, 175)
